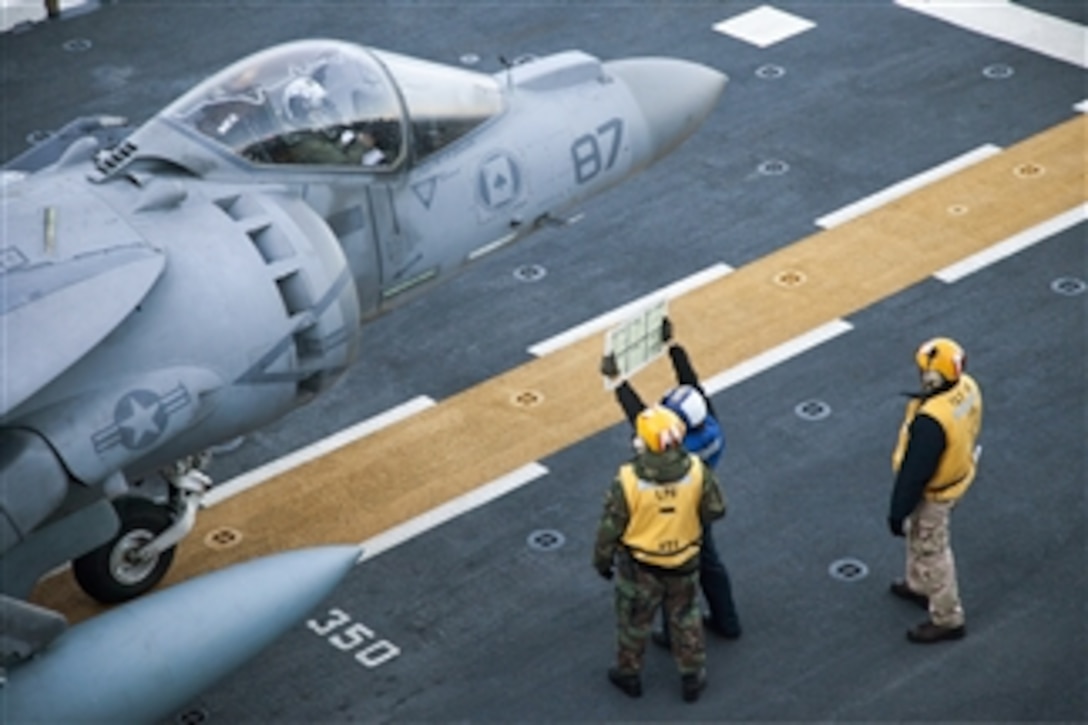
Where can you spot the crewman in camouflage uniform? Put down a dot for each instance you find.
(705, 437)
(935, 462)
(650, 533)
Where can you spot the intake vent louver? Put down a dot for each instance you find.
(273, 243)
(113, 159)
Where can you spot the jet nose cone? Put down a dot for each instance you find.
(675, 97)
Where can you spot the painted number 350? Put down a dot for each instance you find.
(596, 152)
(345, 635)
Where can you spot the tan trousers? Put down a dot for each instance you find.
(931, 568)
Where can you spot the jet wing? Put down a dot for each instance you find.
(69, 275)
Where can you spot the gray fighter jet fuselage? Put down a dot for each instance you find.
(210, 272)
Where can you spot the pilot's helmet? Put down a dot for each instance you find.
(688, 403)
(940, 361)
(303, 98)
(659, 429)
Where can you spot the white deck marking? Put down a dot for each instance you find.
(776, 355)
(259, 475)
(763, 26)
(1038, 32)
(620, 314)
(530, 472)
(1013, 244)
(906, 186)
(451, 509)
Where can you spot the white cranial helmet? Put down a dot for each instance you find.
(688, 403)
(302, 96)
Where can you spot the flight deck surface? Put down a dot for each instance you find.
(476, 599)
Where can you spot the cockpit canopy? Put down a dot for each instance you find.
(331, 103)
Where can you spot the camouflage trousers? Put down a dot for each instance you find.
(640, 591)
(931, 568)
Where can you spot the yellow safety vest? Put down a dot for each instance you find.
(958, 410)
(664, 529)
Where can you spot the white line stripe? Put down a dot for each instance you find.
(1013, 244)
(451, 509)
(905, 187)
(530, 472)
(1038, 32)
(776, 355)
(259, 475)
(1082, 106)
(603, 322)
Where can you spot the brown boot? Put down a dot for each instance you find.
(928, 633)
(902, 590)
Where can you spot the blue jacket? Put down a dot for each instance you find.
(708, 440)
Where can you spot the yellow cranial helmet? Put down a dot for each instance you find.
(659, 428)
(941, 356)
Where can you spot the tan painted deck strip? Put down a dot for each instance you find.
(480, 434)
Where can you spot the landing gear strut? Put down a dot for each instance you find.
(137, 557)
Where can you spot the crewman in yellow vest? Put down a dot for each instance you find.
(935, 462)
(650, 533)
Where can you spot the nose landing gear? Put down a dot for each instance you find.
(138, 556)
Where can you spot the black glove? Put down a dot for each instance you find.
(666, 329)
(896, 526)
(609, 368)
(605, 570)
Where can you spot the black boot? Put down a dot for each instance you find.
(902, 590)
(691, 685)
(630, 684)
(729, 631)
(928, 633)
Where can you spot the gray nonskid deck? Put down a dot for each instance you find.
(489, 625)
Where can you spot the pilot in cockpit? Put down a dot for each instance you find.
(320, 134)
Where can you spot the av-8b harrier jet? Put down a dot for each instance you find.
(203, 275)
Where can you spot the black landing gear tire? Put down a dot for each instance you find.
(110, 573)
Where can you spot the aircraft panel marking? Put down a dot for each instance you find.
(492, 246)
(139, 418)
(424, 191)
(498, 182)
(11, 258)
(586, 152)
